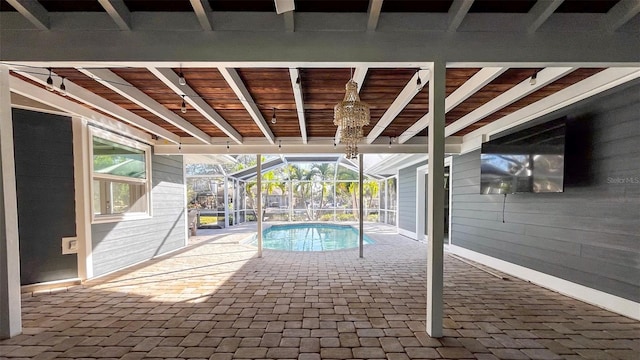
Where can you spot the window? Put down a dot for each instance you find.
(120, 170)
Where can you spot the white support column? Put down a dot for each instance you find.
(384, 201)
(435, 206)
(380, 219)
(236, 197)
(361, 204)
(83, 197)
(226, 202)
(240, 203)
(10, 306)
(291, 212)
(335, 207)
(259, 204)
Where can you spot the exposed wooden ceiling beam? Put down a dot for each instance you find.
(114, 82)
(597, 83)
(540, 12)
(544, 78)
(49, 98)
(297, 94)
(202, 8)
(172, 80)
(286, 8)
(98, 102)
(457, 13)
(392, 159)
(33, 11)
(236, 84)
(470, 87)
(289, 21)
(119, 13)
(392, 164)
(313, 147)
(620, 14)
(407, 94)
(254, 48)
(283, 6)
(359, 74)
(375, 7)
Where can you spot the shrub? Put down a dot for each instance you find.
(346, 217)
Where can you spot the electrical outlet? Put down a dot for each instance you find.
(69, 245)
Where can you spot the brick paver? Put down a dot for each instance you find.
(217, 300)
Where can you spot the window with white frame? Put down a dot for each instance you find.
(120, 170)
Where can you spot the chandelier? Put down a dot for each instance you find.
(351, 115)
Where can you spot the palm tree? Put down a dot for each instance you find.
(371, 190)
(323, 172)
(269, 177)
(302, 186)
(349, 188)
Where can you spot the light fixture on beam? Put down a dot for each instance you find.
(181, 80)
(183, 106)
(50, 82)
(273, 117)
(532, 80)
(63, 88)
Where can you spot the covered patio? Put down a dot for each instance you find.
(215, 299)
(102, 103)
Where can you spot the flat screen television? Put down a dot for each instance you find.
(530, 160)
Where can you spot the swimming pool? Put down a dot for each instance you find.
(310, 237)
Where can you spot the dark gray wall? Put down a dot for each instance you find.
(407, 181)
(118, 245)
(590, 233)
(43, 145)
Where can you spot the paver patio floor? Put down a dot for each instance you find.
(217, 300)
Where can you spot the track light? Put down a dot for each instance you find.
(334, 143)
(63, 88)
(419, 82)
(532, 81)
(180, 147)
(280, 145)
(390, 141)
(183, 106)
(273, 118)
(50, 82)
(227, 146)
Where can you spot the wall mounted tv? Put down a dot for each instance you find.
(530, 160)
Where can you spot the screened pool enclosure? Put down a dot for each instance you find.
(224, 190)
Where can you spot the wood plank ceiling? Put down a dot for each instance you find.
(273, 90)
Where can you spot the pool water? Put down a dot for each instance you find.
(310, 237)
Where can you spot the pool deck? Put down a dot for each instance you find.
(216, 300)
